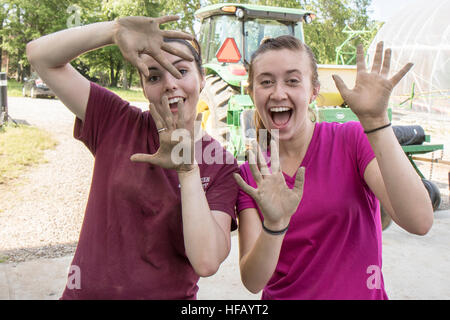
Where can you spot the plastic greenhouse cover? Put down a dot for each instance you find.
(420, 33)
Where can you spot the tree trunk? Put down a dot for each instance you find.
(124, 76)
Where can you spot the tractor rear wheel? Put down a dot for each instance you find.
(215, 95)
(435, 197)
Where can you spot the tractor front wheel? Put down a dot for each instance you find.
(215, 96)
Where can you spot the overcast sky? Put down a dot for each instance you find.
(384, 9)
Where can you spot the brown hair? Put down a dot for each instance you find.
(193, 46)
(279, 43)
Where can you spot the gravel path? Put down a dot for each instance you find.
(41, 214)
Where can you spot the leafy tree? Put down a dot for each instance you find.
(24, 20)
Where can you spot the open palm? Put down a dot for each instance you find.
(370, 96)
(275, 199)
(141, 35)
(176, 140)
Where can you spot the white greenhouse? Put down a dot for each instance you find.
(420, 33)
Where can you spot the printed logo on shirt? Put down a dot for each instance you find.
(374, 280)
(205, 182)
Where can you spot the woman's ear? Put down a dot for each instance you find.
(315, 93)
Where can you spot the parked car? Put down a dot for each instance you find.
(34, 87)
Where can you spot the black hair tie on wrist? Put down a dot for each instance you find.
(274, 233)
(376, 129)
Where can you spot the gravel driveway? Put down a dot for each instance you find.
(41, 214)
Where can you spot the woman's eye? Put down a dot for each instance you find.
(153, 78)
(266, 82)
(183, 71)
(293, 81)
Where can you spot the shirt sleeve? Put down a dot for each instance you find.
(103, 110)
(244, 200)
(222, 193)
(363, 152)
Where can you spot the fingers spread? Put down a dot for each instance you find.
(142, 157)
(386, 63)
(181, 122)
(340, 85)
(168, 48)
(159, 121)
(261, 161)
(399, 75)
(254, 167)
(274, 156)
(299, 181)
(166, 19)
(166, 65)
(167, 114)
(177, 35)
(244, 186)
(378, 58)
(360, 59)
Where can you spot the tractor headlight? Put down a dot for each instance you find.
(239, 13)
(308, 18)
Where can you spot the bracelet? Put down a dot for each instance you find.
(274, 233)
(376, 129)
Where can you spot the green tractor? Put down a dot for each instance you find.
(229, 34)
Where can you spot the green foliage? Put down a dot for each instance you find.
(20, 148)
(24, 20)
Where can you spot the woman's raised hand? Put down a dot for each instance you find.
(176, 140)
(141, 35)
(274, 198)
(370, 96)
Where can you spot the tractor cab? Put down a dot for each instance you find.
(229, 34)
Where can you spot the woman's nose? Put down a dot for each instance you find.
(278, 92)
(170, 82)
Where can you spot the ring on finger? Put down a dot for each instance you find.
(161, 130)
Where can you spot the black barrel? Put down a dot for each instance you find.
(409, 135)
(3, 98)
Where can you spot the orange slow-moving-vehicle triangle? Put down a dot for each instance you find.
(229, 51)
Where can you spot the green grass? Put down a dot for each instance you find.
(22, 147)
(129, 95)
(15, 90)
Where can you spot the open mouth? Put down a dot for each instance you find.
(280, 116)
(173, 103)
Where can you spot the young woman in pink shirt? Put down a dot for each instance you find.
(309, 221)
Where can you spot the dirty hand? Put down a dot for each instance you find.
(176, 141)
(274, 198)
(370, 96)
(141, 35)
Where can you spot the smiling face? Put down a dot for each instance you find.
(161, 83)
(282, 90)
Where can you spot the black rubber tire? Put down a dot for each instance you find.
(216, 94)
(433, 192)
(435, 197)
(386, 219)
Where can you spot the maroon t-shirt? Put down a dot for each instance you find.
(131, 243)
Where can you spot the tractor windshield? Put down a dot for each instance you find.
(222, 27)
(247, 34)
(256, 30)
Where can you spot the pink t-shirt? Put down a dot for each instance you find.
(332, 249)
(131, 243)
